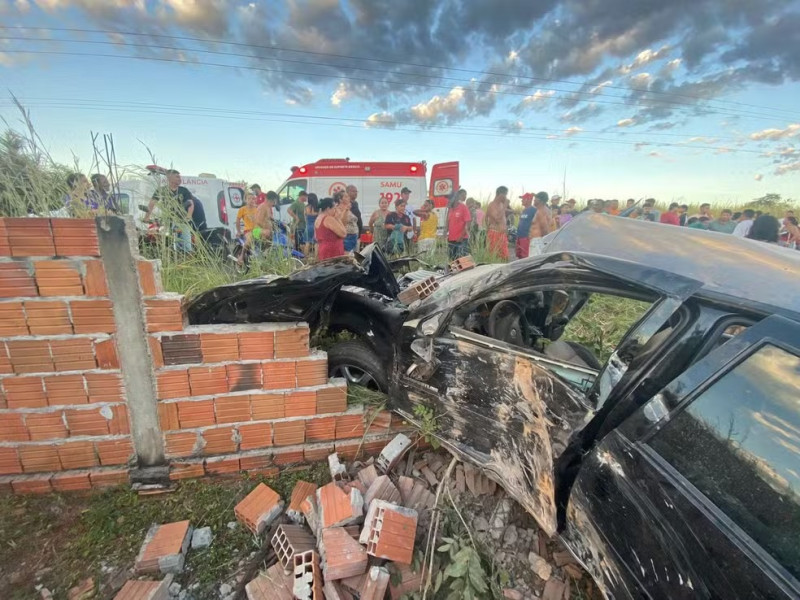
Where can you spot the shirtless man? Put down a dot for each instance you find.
(541, 224)
(496, 220)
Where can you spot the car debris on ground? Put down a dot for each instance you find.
(362, 534)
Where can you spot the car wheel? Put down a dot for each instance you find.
(357, 362)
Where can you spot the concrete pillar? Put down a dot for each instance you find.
(118, 248)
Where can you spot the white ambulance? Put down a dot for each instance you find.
(374, 180)
(221, 199)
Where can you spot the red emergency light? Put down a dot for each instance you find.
(414, 168)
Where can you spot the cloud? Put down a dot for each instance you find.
(625, 122)
(511, 126)
(579, 115)
(382, 119)
(644, 57)
(758, 177)
(599, 87)
(572, 131)
(654, 154)
(641, 80)
(792, 130)
(788, 168)
(538, 96)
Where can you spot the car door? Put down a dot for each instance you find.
(697, 494)
(507, 409)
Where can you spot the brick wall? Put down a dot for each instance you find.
(229, 398)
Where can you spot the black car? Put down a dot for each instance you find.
(671, 467)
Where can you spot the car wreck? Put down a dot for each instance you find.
(670, 467)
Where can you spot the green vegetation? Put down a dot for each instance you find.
(72, 537)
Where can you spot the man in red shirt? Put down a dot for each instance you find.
(458, 217)
(261, 197)
(671, 217)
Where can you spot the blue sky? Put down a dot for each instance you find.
(630, 98)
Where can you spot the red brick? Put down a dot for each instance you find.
(76, 354)
(168, 540)
(196, 414)
(185, 470)
(12, 318)
(232, 409)
(219, 441)
(301, 491)
(312, 455)
(109, 478)
(168, 416)
(173, 384)
(301, 404)
(105, 351)
(92, 316)
(222, 466)
(288, 457)
(321, 429)
(85, 422)
(164, 314)
(48, 318)
(255, 435)
(30, 237)
(104, 387)
(392, 532)
(243, 376)
(9, 461)
(24, 392)
(5, 361)
(149, 279)
(75, 237)
(12, 429)
(114, 452)
(181, 349)
(16, 281)
(256, 345)
(30, 356)
(266, 407)
(258, 508)
(94, 281)
(208, 381)
(180, 443)
(332, 399)
(291, 343)
(70, 482)
(344, 556)
(32, 485)
(260, 462)
(155, 351)
(280, 375)
(349, 450)
(378, 421)
(46, 426)
(289, 433)
(336, 506)
(219, 347)
(58, 278)
(349, 426)
(274, 584)
(36, 459)
(77, 455)
(65, 389)
(5, 246)
(119, 424)
(312, 372)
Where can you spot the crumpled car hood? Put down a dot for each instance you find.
(301, 296)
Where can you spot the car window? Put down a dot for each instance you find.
(738, 442)
(292, 189)
(236, 197)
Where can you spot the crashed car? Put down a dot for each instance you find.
(670, 468)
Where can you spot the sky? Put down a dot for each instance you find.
(691, 100)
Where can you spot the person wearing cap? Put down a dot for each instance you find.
(405, 196)
(524, 227)
(541, 224)
(458, 219)
(497, 223)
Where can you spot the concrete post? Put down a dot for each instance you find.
(118, 239)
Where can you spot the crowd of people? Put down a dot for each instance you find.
(333, 226)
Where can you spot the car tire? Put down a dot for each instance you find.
(359, 364)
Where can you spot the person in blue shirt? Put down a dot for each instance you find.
(524, 227)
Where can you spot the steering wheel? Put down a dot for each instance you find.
(507, 323)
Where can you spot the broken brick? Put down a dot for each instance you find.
(144, 590)
(273, 584)
(290, 540)
(418, 291)
(337, 469)
(375, 584)
(259, 508)
(307, 576)
(301, 491)
(389, 532)
(553, 589)
(342, 556)
(338, 508)
(382, 488)
(367, 475)
(164, 548)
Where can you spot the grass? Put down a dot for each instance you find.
(76, 537)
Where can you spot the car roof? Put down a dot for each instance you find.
(741, 269)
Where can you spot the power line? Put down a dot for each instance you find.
(325, 75)
(293, 119)
(388, 61)
(81, 102)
